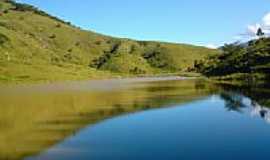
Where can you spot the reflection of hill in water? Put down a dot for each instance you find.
(254, 100)
(32, 121)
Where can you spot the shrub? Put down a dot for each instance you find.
(58, 25)
(98, 42)
(77, 43)
(3, 24)
(55, 60)
(3, 39)
(137, 70)
(53, 36)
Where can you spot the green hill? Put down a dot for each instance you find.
(249, 61)
(35, 46)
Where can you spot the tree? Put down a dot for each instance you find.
(260, 32)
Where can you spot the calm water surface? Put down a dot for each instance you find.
(167, 119)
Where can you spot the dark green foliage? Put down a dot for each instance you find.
(260, 33)
(253, 57)
(52, 36)
(77, 44)
(233, 101)
(137, 70)
(58, 25)
(156, 59)
(99, 62)
(5, 11)
(3, 39)
(3, 24)
(98, 42)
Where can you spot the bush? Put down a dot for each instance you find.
(3, 39)
(77, 43)
(58, 25)
(3, 24)
(53, 36)
(137, 70)
(98, 42)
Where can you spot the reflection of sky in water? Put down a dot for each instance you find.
(202, 129)
(36, 117)
(261, 111)
(214, 99)
(252, 108)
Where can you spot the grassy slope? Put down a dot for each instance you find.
(39, 48)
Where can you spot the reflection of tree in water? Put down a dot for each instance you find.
(258, 95)
(50, 117)
(233, 101)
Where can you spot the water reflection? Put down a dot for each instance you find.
(33, 118)
(225, 123)
(233, 101)
(252, 99)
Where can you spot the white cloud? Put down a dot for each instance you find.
(266, 20)
(211, 46)
(251, 31)
(238, 37)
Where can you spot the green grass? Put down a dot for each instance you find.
(38, 47)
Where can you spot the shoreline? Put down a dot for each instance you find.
(105, 78)
(91, 85)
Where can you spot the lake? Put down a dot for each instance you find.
(143, 118)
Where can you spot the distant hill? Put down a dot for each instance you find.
(35, 46)
(248, 61)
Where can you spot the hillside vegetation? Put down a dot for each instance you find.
(35, 46)
(249, 61)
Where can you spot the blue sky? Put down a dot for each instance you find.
(200, 22)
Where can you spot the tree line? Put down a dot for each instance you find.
(250, 57)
